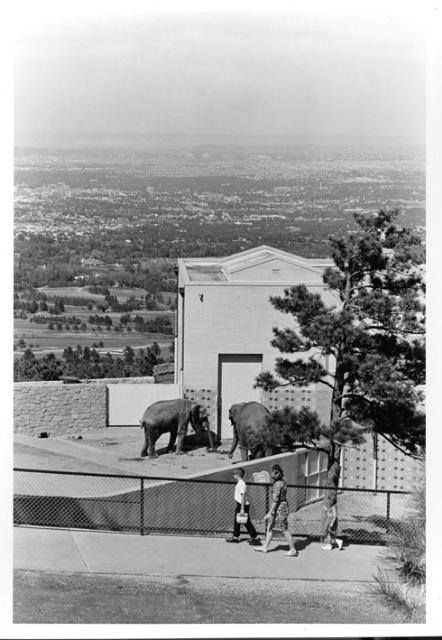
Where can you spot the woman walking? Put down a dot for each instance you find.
(329, 524)
(277, 517)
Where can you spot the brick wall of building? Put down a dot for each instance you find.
(393, 470)
(230, 319)
(207, 399)
(315, 397)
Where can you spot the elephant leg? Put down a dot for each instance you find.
(244, 453)
(209, 436)
(182, 430)
(144, 449)
(172, 440)
(152, 438)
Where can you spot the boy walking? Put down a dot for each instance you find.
(242, 506)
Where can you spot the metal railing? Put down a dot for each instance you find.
(189, 506)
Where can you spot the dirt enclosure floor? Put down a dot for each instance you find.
(116, 450)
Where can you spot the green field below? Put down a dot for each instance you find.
(84, 313)
(82, 292)
(43, 340)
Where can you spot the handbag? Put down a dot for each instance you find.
(241, 518)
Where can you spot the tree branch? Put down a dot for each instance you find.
(312, 447)
(327, 384)
(394, 444)
(394, 330)
(354, 395)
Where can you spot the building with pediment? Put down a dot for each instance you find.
(224, 333)
(225, 322)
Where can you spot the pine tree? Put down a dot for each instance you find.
(129, 355)
(368, 349)
(26, 367)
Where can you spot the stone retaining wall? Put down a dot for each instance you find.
(135, 380)
(59, 409)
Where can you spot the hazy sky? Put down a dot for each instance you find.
(313, 69)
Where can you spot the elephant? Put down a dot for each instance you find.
(172, 416)
(249, 421)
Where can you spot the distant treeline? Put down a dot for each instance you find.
(147, 254)
(32, 300)
(159, 324)
(84, 362)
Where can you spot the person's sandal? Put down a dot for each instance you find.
(255, 542)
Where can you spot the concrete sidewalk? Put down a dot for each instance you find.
(73, 551)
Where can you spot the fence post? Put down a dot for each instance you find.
(141, 506)
(388, 512)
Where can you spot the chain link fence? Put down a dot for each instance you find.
(112, 502)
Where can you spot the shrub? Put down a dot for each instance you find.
(407, 547)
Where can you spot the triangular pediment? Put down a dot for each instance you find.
(260, 264)
(268, 264)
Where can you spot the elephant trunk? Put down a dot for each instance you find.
(199, 419)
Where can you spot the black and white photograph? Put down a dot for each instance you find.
(219, 360)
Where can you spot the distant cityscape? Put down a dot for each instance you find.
(99, 227)
(229, 190)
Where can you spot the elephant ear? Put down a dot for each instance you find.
(234, 411)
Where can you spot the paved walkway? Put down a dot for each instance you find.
(73, 551)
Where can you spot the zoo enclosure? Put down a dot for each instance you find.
(191, 506)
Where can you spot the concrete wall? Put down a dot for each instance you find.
(171, 506)
(300, 468)
(63, 409)
(230, 319)
(128, 402)
(135, 380)
(291, 463)
(58, 408)
(315, 397)
(391, 470)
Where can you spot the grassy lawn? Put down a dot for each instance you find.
(43, 340)
(84, 313)
(82, 292)
(77, 292)
(41, 597)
